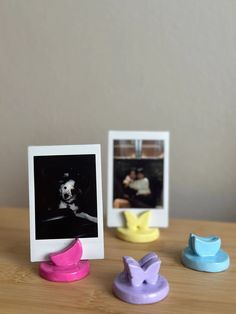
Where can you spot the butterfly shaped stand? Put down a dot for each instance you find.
(65, 266)
(137, 229)
(140, 282)
(205, 254)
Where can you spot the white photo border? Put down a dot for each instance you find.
(160, 217)
(93, 248)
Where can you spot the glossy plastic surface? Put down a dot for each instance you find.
(205, 254)
(140, 282)
(137, 229)
(65, 266)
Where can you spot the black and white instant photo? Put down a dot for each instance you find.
(65, 194)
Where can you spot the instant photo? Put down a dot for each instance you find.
(138, 175)
(65, 189)
(65, 199)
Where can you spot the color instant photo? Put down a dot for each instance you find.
(138, 175)
(65, 197)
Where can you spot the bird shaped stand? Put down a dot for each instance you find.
(140, 282)
(205, 254)
(65, 266)
(137, 229)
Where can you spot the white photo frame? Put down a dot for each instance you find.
(46, 164)
(160, 214)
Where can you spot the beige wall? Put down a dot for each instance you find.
(72, 70)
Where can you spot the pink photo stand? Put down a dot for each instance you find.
(65, 266)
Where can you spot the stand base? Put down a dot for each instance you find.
(52, 272)
(145, 294)
(213, 264)
(139, 236)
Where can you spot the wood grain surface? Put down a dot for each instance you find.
(23, 291)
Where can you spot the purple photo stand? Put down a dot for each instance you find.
(140, 282)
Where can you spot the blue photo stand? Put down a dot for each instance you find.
(205, 254)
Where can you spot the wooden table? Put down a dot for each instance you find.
(23, 291)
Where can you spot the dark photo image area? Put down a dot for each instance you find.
(65, 197)
(138, 174)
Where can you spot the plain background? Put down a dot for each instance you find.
(72, 70)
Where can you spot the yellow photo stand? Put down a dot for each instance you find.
(137, 229)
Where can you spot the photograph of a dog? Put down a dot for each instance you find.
(138, 173)
(70, 194)
(65, 196)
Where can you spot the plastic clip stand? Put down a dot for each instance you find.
(140, 282)
(205, 254)
(65, 266)
(137, 229)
